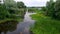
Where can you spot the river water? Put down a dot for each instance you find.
(21, 27)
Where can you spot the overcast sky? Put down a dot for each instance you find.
(36, 3)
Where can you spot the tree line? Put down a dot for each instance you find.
(52, 9)
(10, 9)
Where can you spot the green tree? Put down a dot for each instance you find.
(50, 8)
(3, 12)
(10, 3)
(21, 5)
(10, 9)
(57, 9)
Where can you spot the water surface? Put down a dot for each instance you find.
(18, 27)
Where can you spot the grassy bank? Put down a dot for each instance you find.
(9, 19)
(45, 25)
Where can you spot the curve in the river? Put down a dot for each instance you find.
(23, 27)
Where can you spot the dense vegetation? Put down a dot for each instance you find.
(44, 23)
(10, 9)
(32, 9)
(52, 9)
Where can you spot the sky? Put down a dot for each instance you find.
(35, 3)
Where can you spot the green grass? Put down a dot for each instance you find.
(45, 25)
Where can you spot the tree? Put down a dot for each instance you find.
(50, 8)
(53, 9)
(9, 3)
(10, 8)
(57, 9)
(21, 5)
(3, 12)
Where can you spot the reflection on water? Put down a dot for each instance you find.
(8, 26)
(14, 27)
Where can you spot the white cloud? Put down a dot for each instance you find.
(34, 2)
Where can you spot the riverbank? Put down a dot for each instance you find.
(45, 25)
(8, 19)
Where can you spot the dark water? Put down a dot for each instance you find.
(14, 27)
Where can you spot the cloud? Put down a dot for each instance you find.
(34, 2)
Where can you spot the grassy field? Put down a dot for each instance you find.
(45, 25)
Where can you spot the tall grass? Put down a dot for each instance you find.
(45, 25)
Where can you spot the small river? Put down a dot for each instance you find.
(21, 27)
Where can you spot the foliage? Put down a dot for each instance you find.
(9, 9)
(3, 12)
(43, 8)
(50, 8)
(31, 9)
(20, 5)
(9, 3)
(53, 9)
(57, 9)
(45, 25)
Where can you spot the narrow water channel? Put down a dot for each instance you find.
(23, 27)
